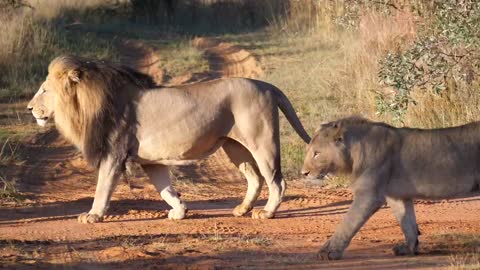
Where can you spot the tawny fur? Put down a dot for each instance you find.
(85, 111)
(393, 165)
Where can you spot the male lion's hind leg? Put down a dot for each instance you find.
(244, 161)
(160, 177)
(363, 207)
(269, 166)
(405, 215)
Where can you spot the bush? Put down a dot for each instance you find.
(445, 55)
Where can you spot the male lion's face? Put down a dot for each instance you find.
(326, 153)
(42, 104)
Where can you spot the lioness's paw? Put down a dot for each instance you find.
(177, 214)
(404, 250)
(261, 214)
(86, 218)
(326, 253)
(241, 210)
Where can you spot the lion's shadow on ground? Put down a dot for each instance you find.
(199, 209)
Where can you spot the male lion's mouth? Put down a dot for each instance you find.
(42, 121)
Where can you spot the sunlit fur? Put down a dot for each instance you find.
(92, 97)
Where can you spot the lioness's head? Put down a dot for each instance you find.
(326, 153)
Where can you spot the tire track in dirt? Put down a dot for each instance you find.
(143, 58)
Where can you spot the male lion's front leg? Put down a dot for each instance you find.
(363, 207)
(108, 174)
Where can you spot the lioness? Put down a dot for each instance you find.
(110, 114)
(393, 165)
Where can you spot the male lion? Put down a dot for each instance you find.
(393, 165)
(110, 114)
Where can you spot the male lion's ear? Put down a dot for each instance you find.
(74, 76)
(338, 134)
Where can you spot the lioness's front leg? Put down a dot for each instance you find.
(108, 175)
(405, 214)
(363, 207)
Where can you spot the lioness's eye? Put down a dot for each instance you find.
(44, 91)
(315, 154)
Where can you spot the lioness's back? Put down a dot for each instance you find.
(436, 163)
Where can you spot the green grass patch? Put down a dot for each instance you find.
(179, 57)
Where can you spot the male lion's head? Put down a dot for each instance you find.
(63, 75)
(89, 100)
(327, 152)
(42, 104)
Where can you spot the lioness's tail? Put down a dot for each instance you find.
(289, 112)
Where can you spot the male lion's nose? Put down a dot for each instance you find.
(305, 172)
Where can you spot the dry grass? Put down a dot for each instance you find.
(469, 261)
(377, 35)
(53, 8)
(31, 42)
(456, 105)
(465, 249)
(9, 191)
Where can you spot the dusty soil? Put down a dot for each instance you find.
(41, 231)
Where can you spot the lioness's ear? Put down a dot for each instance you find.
(337, 125)
(322, 125)
(74, 76)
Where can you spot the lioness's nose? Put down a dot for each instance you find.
(305, 172)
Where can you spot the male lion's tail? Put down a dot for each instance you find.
(289, 112)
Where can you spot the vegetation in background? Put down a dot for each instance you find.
(404, 62)
(444, 61)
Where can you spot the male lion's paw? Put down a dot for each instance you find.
(261, 214)
(326, 253)
(241, 210)
(86, 218)
(404, 250)
(177, 214)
